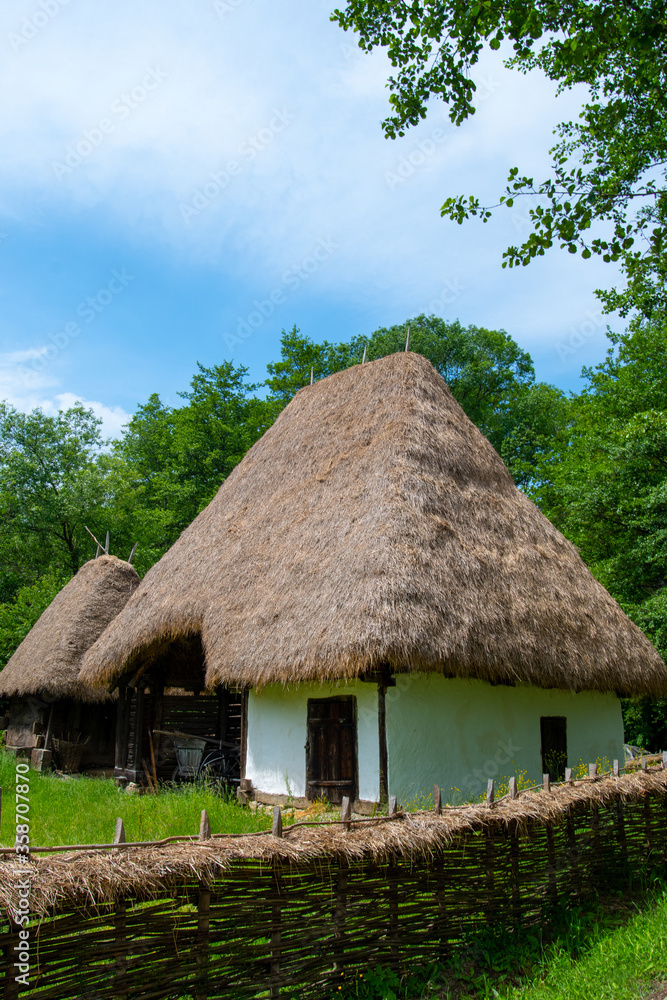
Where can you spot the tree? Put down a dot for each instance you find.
(604, 484)
(606, 194)
(299, 356)
(49, 487)
(19, 615)
(172, 460)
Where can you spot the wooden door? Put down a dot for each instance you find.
(553, 730)
(331, 750)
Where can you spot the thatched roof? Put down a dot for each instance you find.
(374, 524)
(49, 658)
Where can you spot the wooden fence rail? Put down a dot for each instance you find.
(286, 925)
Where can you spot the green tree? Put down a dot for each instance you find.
(606, 192)
(299, 357)
(604, 484)
(49, 487)
(19, 615)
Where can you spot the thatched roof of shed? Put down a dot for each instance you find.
(49, 658)
(374, 524)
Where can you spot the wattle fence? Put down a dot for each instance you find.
(268, 916)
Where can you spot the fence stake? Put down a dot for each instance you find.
(393, 806)
(204, 826)
(617, 769)
(490, 794)
(203, 932)
(340, 915)
(437, 800)
(568, 776)
(546, 782)
(644, 764)
(276, 923)
(512, 787)
(345, 812)
(120, 943)
(664, 760)
(592, 770)
(277, 828)
(119, 833)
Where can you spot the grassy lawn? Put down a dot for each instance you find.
(83, 810)
(615, 952)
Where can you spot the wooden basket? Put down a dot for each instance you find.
(69, 755)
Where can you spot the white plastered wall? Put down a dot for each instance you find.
(277, 730)
(450, 732)
(459, 733)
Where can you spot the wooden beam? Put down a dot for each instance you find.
(382, 743)
(244, 730)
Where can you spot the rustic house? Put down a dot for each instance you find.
(392, 611)
(46, 697)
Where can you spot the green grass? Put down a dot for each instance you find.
(615, 952)
(626, 963)
(83, 810)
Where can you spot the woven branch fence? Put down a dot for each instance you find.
(273, 916)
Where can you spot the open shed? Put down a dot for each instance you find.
(395, 610)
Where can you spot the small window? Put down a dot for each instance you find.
(553, 729)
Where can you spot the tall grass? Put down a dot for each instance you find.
(81, 810)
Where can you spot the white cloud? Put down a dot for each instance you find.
(26, 390)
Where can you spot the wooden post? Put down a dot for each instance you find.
(393, 806)
(392, 877)
(277, 828)
(551, 859)
(204, 826)
(157, 690)
(223, 712)
(11, 990)
(512, 787)
(546, 782)
(441, 899)
(617, 770)
(340, 915)
(490, 792)
(644, 764)
(489, 870)
(573, 850)
(382, 742)
(514, 868)
(244, 731)
(203, 932)
(437, 800)
(664, 760)
(647, 822)
(345, 813)
(49, 727)
(138, 726)
(120, 947)
(592, 770)
(121, 735)
(568, 776)
(276, 932)
(119, 832)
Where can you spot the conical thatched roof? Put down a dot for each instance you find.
(374, 524)
(49, 658)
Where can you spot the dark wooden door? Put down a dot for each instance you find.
(553, 730)
(331, 750)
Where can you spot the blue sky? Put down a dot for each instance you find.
(180, 181)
